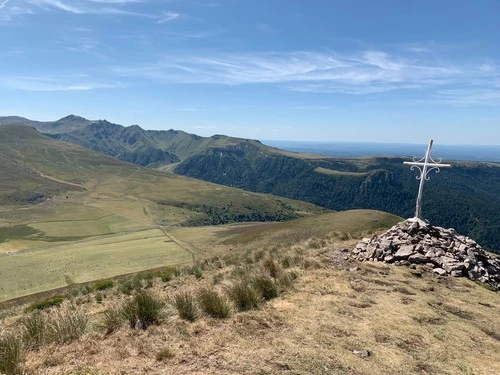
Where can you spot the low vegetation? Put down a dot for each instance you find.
(307, 304)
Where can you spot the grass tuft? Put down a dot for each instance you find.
(186, 306)
(266, 287)
(214, 304)
(66, 326)
(245, 296)
(143, 310)
(10, 354)
(111, 320)
(34, 328)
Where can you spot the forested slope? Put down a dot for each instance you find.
(465, 197)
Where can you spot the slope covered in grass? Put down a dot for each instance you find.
(83, 197)
(329, 315)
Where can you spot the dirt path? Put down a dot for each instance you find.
(185, 246)
(59, 181)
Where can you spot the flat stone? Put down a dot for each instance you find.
(389, 258)
(362, 353)
(439, 271)
(404, 252)
(417, 258)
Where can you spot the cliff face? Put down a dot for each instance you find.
(414, 242)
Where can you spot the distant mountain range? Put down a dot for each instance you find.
(464, 197)
(150, 148)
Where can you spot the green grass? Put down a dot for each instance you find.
(338, 173)
(38, 270)
(345, 224)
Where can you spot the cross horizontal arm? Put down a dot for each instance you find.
(426, 164)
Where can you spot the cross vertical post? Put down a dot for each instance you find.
(423, 166)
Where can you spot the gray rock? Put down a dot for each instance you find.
(404, 252)
(417, 258)
(362, 353)
(389, 258)
(439, 271)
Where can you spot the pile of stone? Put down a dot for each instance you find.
(414, 242)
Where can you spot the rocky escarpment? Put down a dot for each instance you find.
(415, 242)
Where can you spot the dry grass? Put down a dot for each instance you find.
(408, 324)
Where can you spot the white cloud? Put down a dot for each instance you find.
(98, 7)
(167, 17)
(75, 83)
(368, 71)
(360, 73)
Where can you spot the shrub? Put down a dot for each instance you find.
(266, 287)
(111, 320)
(142, 310)
(66, 326)
(244, 296)
(186, 306)
(46, 303)
(103, 285)
(34, 328)
(214, 304)
(10, 354)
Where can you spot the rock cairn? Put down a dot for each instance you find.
(415, 242)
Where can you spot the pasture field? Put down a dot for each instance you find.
(42, 269)
(69, 214)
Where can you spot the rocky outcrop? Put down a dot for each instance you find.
(414, 242)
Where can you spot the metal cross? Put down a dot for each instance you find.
(423, 166)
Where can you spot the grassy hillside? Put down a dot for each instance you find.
(464, 197)
(66, 208)
(267, 308)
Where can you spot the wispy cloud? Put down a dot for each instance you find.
(368, 71)
(167, 17)
(9, 10)
(73, 83)
(363, 72)
(3, 3)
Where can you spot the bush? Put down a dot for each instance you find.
(244, 296)
(46, 303)
(266, 287)
(66, 326)
(143, 310)
(34, 328)
(111, 320)
(10, 354)
(214, 304)
(186, 306)
(103, 285)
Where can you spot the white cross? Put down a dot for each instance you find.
(423, 166)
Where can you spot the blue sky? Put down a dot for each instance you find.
(382, 71)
